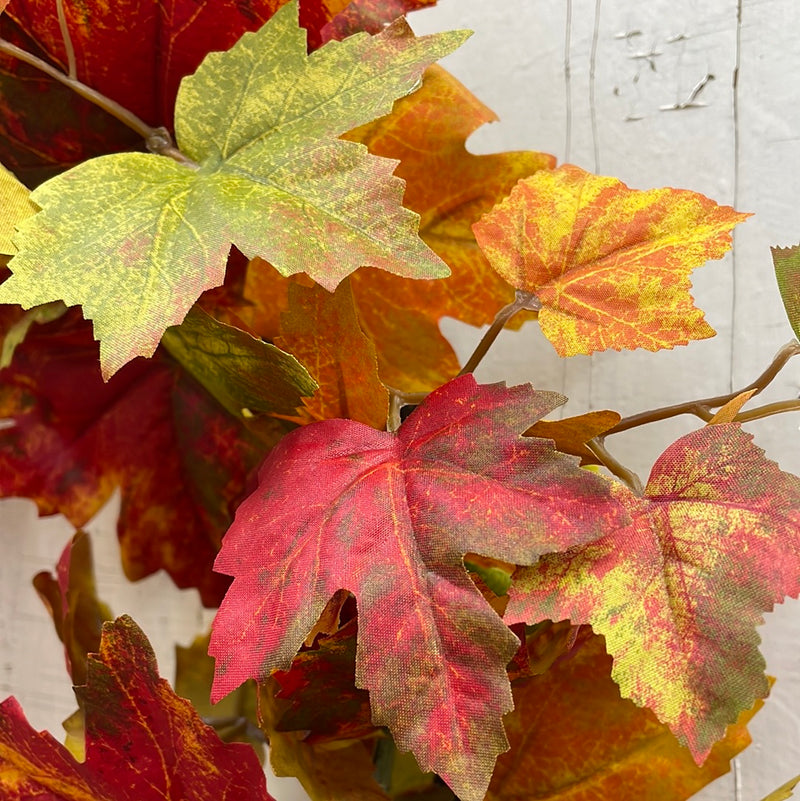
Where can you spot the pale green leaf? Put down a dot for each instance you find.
(246, 375)
(16, 334)
(135, 238)
(14, 205)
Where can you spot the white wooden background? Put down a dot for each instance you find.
(591, 82)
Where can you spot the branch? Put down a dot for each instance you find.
(522, 301)
(616, 468)
(158, 140)
(702, 408)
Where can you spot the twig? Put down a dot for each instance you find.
(701, 408)
(523, 301)
(767, 410)
(158, 140)
(397, 400)
(616, 468)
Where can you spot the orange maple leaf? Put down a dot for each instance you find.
(610, 265)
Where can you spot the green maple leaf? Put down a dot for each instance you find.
(135, 238)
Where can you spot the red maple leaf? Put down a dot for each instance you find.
(180, 460)
(389, 517)
(143, 742)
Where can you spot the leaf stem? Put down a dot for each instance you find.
(523, 300)
(397, 400)
(615, 467)
(158, 140)
(72, 69)
(702, 408)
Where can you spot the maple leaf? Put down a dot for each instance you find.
(787, 273)
(71, 599)
(180, 460)
(323, 331)
(143, 742)
(556, 754)
(450, 189)
(389, 516)
(364, 15)
(610, 265)
(570, 434)
(246, 375)
(14, 207)
(262, 121)
(678, 592)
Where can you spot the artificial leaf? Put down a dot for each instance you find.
(261, 120)
(143, 742)
(17, 330)
(784, 791)
(573, 738)
(245, 374)
(450, 189)
(71, 598)
(328, 771)
(787, 272)
(320, 686)
(610, 265)
(180, 460)
(571, 434)
(389, 517)
(728, 412)
(322, 330)
(14, 207)
(366, 15)
(235, 717)
(678, 593)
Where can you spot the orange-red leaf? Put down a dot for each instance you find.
(71, 599)
(573, 738)
(143, 742)
(610, 265)
(450, 189)
(714, 543)
(322, 331)
(389, 516)
(180, 460)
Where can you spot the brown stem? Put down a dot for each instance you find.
(700, 408)
(158, 139)
(616, 467)
(72, 69)
(523, 300)
(767, 410)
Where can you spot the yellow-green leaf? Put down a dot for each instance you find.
(135, 238)
(784, 791)
(14, 205)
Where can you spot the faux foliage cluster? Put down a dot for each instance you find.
(404, 560)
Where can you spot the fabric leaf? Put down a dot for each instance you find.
(143, 742)
(787, 272)
(678, 594)
(610, 265)
(573, 738)
(389, 517)
(262, 121)
(245, 374)
(14, 206)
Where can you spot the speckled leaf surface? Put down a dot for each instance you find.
(143, 742)
(610, 265)
(557, 755)
(14, 207)
(261, 120)
(181, 462)
(389, 517)
(366, 15)
(678, 594)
